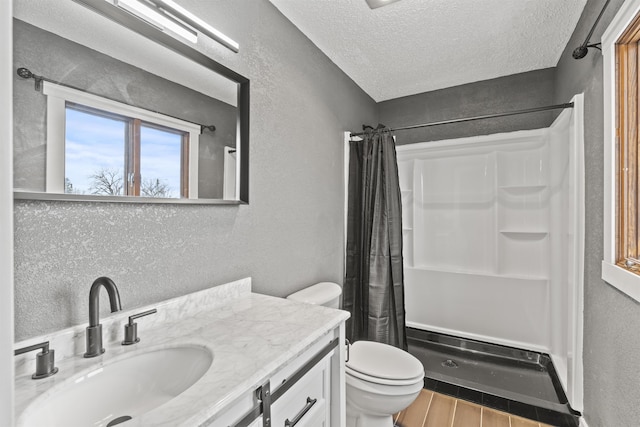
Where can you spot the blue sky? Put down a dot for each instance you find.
(94, 142)
(160, 157)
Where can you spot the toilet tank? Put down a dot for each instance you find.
(323, 293)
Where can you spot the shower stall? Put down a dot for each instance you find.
(493, 241)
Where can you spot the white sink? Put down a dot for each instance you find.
(120, 390)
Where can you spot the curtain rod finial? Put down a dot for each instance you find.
(580, 52)
(25, 73)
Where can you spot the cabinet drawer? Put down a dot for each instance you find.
(306, 401)
(315, 417)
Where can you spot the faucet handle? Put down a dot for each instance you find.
(45, 360)
(131, 329)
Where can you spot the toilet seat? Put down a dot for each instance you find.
(384, 381)
(383, 364)
(376, 388)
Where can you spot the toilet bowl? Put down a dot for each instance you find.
(381, 380)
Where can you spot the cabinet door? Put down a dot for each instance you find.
(236, 411)
(306, 404)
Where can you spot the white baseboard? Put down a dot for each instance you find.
(583, 423)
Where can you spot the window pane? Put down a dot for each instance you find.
(94, 153)
(160, 162)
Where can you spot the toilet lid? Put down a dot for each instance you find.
(378, 360)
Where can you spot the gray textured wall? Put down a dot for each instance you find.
(612, 319)
(510, 93)
(75, 65)
(290, 235)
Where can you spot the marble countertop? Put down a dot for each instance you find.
(251, 337)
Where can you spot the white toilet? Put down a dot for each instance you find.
(380, 379)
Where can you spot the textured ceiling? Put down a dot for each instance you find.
(415, 46)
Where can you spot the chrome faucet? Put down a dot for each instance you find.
(94, 330)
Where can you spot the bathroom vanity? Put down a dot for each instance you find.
(220, 357)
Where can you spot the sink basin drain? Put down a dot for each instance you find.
(449, 364)
(118, 420)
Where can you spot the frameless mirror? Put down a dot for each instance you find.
(110, 108)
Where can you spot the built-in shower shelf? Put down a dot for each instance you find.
(407, 228)
(524, 233)
(522, 190)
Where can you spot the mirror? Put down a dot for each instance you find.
(110, 108)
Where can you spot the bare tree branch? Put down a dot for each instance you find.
(107, 181)
(69, 188)
(154, 188)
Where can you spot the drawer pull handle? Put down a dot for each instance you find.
(297, 418)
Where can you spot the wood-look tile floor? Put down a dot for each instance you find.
(433, 409)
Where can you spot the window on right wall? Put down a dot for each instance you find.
(621, 50)
(627, 165)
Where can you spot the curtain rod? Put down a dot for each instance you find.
(486, 116)
(25, 73)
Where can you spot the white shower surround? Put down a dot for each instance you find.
(493, 230)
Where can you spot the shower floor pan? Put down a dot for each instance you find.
(518, 381)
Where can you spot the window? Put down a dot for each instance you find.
(621, 50)
(627, 166)
(111, 154)
(97, 146)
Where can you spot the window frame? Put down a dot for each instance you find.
(613, 272)
(57, 98)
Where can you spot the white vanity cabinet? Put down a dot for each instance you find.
(308, 391)
(306, 403)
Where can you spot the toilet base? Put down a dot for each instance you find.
(365, 420)
(373, 405)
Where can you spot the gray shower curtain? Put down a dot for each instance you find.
(374, 286)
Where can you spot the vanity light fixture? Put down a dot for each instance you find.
(198, 24)
(156, 18)
(168, 15)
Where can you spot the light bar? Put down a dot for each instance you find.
(157, 19)
(198, 24)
